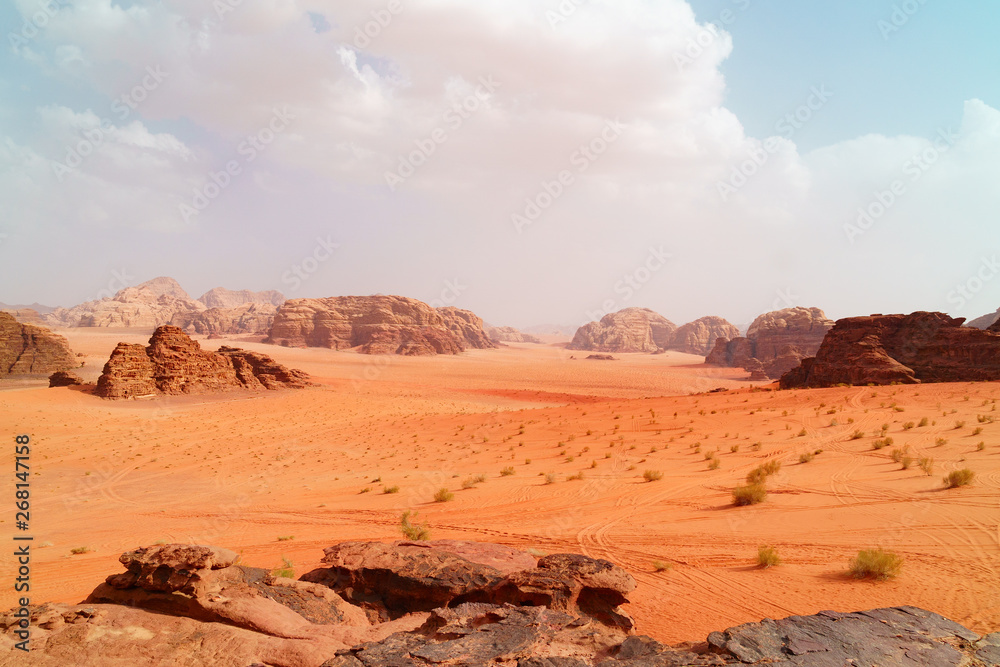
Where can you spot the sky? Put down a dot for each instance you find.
(535, 161)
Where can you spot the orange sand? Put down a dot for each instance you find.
(242, 470)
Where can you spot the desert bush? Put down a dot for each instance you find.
(767, 557)
(898, 454)
(803, 433)
(662, 566)
(977, 430)
(908, 425)
(959, 424)
(734, 449)
(714, 464)
(760, 474)
(857, 435)
(286, 538)
(389, 490)
(287, 569)
(76, 551)
(807, 457)
(652, 475)
(957, 478)
(575, 478)
(926, 464)
(507, 472)
(876, 564)
(367, 489)
(443, 495)
(940, 442)
(751, 494)
(906, 461)
(550, 478)
(923, 422)
(413, 531)
(981, 446)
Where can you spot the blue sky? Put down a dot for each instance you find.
(541, 158)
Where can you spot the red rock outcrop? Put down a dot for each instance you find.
(26, 316)
(374, 324)
(180, 604)
(64, 379)
(700, 336)
(467, 326)
(249, 318)
(26, 349)
(882, 349)
(173, 363)
(628, 330)
(779, 340)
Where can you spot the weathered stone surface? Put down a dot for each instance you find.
(26, 349)
(223, 298)
(779, 340)
(374, 324)
(26, 316)
(468, 327)
(145, 306)
(248, 318)
(64, 379)
(173, 363)
(628, 330)
(700, 336)
(882, 349)
(510, 335)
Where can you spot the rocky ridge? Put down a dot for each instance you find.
(779, 340)
(377, 325)
(410, 604)
(173, 363)
(26, 349)
(501, 335)
(643, 330)
(886, 349)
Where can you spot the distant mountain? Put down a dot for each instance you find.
(564, 330)
(37, 307)
(220, 297)
(984, 322)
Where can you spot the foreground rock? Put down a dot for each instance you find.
(628, 330)
(26, 349)
(180, 604)
(377, 325)
(883, 349)
(173, 363)
(64, 379)
(779, 340)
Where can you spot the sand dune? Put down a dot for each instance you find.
(243, 469)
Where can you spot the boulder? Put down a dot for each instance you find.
(173, 363)
(886, 349)
(375, 325)
(26, 349)
(699, 337)
(64, 379)
(628, 330)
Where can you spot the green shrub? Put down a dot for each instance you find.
(412, 531)
(286, 571)
(957, 478)
(876, 564)
(751, 494)
(767, 557)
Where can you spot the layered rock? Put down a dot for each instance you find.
(163, 301)
(375, 325)
(26, 316)
(184, 604)
(700, 336)
(468, 327)
(984, 322)
(883, 349)
(173, 363)
(779, 340)
(224, 299)
(501, 335)
(249, 318)
(628, 330)
(26, 349)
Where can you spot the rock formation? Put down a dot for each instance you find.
(628, 330)
(882, 349)
(699, 337)
(163, 301)
(376, 325)
(175, 364)
(26, 316)
(510, 335)
(467, 326)
(223, 298)
(449, 603)
(778, 340)
(64, 379)
(26, 349)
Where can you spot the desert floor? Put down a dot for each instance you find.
(284, 474)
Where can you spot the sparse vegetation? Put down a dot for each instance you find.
(413, 531)
(767, 556)
(575, 478)
(857, 435)
(286, 570)
(876, 564)
(662, 566)
(923, 422)
(751, 494)
(760, 474)
(389, 490)
(652, 475)
(807, 457)
(957, 478)
(550, 478)
(926, 464)
(507, 472)
(714, 463)
(443, 495)
(76, 551)
(286, 538)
